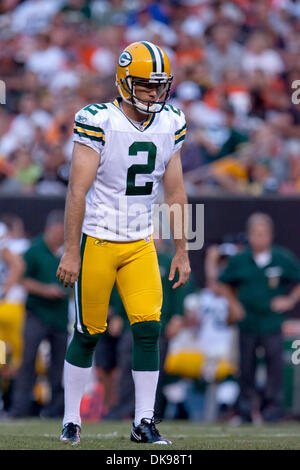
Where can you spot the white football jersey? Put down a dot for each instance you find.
(133, 159)
(215, 336)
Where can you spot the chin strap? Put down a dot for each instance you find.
(145, 109)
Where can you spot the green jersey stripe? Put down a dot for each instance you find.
(180, 139)
(82, 248)
(92, 137)
(152, 55)
(88, 127)
(150, 122)
(180, 130)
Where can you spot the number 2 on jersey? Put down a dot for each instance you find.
(141, 168)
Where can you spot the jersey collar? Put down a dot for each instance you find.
(147, 123)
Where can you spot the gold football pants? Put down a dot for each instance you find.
(133, 266)
(11, 331)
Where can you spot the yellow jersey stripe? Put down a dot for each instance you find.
(180, 135)
(85, 131)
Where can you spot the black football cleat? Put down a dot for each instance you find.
(147, 433)
(71, 434)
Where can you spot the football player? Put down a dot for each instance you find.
(121, 153)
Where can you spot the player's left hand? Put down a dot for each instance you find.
(180, 263)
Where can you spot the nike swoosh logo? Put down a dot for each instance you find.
(136, 436)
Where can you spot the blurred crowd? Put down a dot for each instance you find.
(235, 65)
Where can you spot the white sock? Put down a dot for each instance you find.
(75, 380)
(145, 384)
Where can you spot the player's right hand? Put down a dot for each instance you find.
(68, 269)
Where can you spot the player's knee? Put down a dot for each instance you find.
(146, 334)
(81, 349)
(145, 353)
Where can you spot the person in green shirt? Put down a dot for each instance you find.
(46, 318)
(258, 280)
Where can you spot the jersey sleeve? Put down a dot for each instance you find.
(180, 130)
(88, 129)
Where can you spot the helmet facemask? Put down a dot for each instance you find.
(148, 106)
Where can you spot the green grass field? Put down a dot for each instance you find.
(38, 434)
